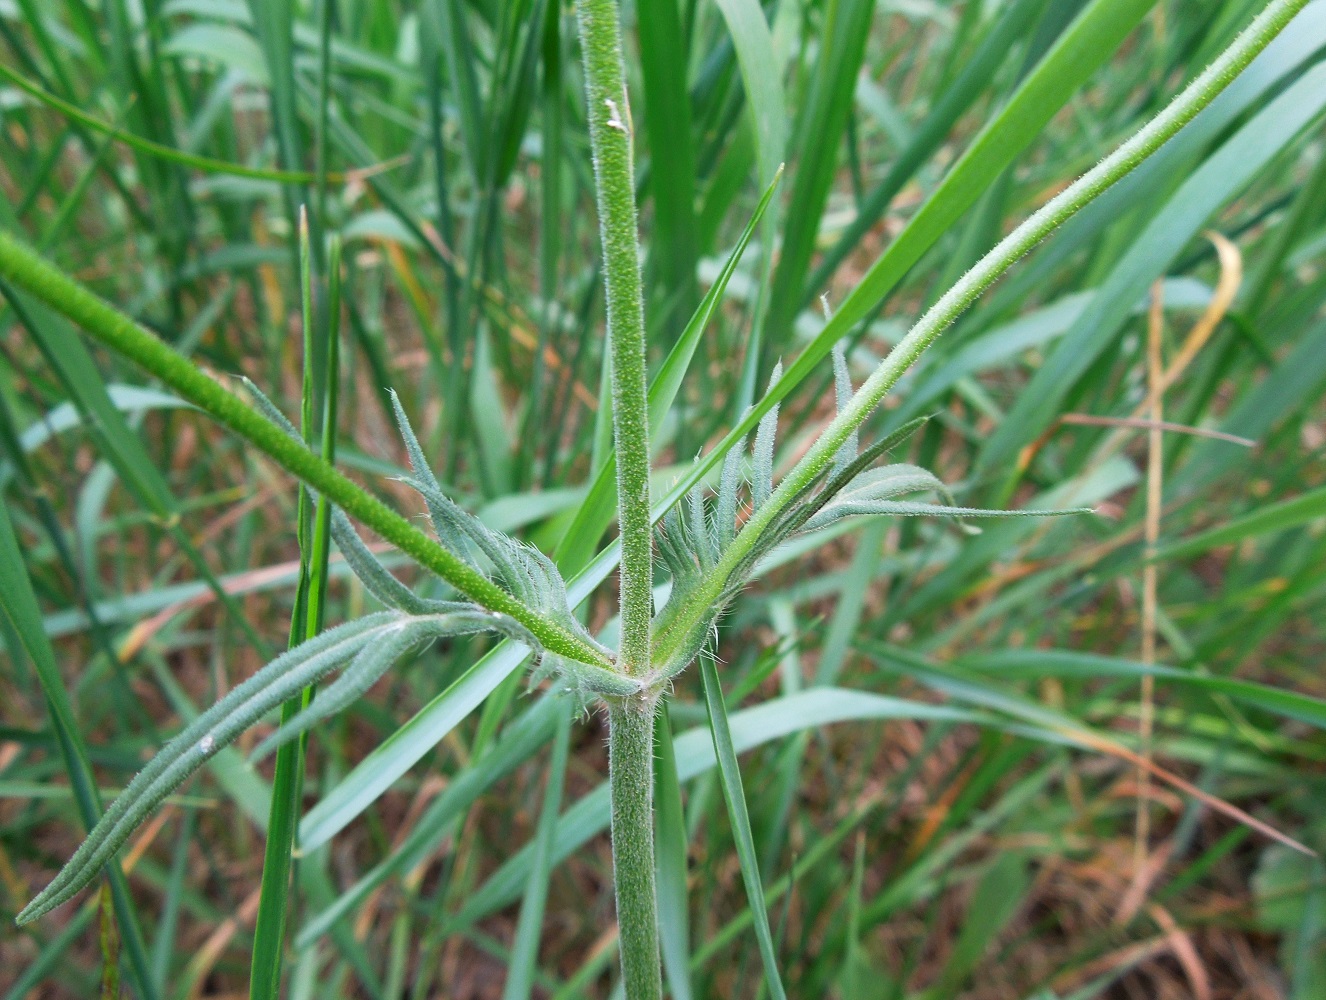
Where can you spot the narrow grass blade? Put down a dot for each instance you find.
(273, 22)
(750, 728)
(1081, 49)
(520, 740)
(995, 901)
(1221, 177)
(529, 926)
(109, 942)
(730, 775)
(22, 629)
(977, 71)
(163, 945)
(1309, 506)
(760, 71)
(671, 885)
(491, 433)
(1090, 40)
(822, 121)
(400, 751)
(762, 77)
(854, 980)
(149, 147)
(595, 513)
(667, 122)
(55, 952)
(1052, 725)
(450, 17)
(119, 442)
(1030, 664)
(314, 533)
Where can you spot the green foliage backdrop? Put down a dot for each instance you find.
(1058, 757)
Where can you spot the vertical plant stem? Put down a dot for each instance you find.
(610, 139)
(631, 740)
(631, 777)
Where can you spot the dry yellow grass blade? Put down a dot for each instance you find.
(215, 946)
(1231, 276)
(1143, 424)
(1101, 744)
(1222, 297)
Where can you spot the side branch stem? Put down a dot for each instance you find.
(26, 270)
(1159, 130)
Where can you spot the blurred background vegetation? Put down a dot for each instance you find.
(160, 150)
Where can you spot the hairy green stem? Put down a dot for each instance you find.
(1159, 130)
(609, 115)
(631, 778)
(22, 267)
(631, 734)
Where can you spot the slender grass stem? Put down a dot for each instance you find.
(28, 271)
(1159, 130)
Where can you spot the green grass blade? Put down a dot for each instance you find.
(1220, 178)
(525, 946)
(855, 980)
(1283, 58)
(517, 78)
(450, 15)
(730, 775)
(273, 22)
(595, 513)
(1031, 664)
(520, 740)
(760, 73)
(1081, 49)
(305, 623)
(995, 901)
(1086, 44)
(822, 122)
(119, 442)
(168, 154)
(670, 854)
(400, 751)
(163, 945)
(55, 953)
(667, 121)
(405, 747)
(749, 728)
(23, 630)
(489, 421)
(977, 71)
(1302, 509)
